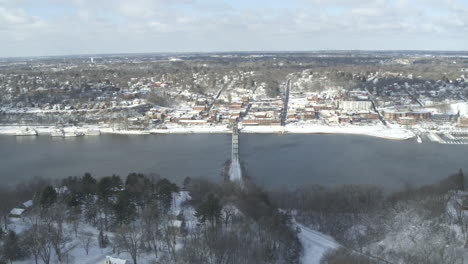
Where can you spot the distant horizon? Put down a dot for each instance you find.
(162, 53)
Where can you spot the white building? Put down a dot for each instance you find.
(355, 105)
(111, 260)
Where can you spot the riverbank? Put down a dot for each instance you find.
(374, 131)
(380, 131)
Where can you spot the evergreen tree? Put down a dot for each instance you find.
(89, 183)
(103, 240)
(124, 209)
(164, 189)
(48, 196)
(11, 248)
(138, 186)
(209, 210)
(187, 182)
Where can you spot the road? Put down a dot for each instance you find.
(374, 106)
(284, 112)
(315, 244)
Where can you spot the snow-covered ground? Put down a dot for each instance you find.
(315, 244)
(235, 173)
(375, 131)
(97, 255)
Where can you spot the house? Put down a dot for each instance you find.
(111, 260)
(175, 226)
(27, 204)
(16, 212)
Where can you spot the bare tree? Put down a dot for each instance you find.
(152, 229)
(44, 244)
(86, 239)
(169, 235)
(59, 242)
(129, 239)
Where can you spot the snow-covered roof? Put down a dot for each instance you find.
(16, 211)
(111, 260)
(176, 223)
(62, 190)
(28, 203)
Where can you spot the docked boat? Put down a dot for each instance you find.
(57, 133)
(92, 132)
(70, 134)
(418, 139)
(26, 132)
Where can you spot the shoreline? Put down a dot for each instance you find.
(373, 131)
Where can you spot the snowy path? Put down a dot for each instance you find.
(315, 244)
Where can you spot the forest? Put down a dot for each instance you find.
(149, 219)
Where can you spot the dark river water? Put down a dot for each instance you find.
(272, 160)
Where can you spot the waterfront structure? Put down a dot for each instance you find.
(395, 115)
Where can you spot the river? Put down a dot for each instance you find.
(272, 160)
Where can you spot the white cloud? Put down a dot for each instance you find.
(190, 25)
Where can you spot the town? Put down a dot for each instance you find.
(391, 95)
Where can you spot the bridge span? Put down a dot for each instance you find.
(235, 171)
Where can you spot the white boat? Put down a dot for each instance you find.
(418, 139)
(57, 133)
(92, 132)
(70, 134)
(26, 132)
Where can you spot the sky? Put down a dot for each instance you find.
(66, 27)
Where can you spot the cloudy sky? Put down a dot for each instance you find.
(59, 27)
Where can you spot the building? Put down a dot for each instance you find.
(395, 115)
(193, 122)
(355, 105)
(261, 122)
(27, 204)
(462, 121)
(111, 260)
(16, 212)
(199, 108)
(404, 120)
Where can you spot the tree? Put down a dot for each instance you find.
(33, 241)
(151, 225)
(89, 183)
(48, 197)
(129, 239)
(59, 241)
(86, 239)
(45, 245)
(138, 185)
(11, 247)
(103, 240)
(186, 183)
(164, 189)
(107, 186)
(124, 209)
(209, 210)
